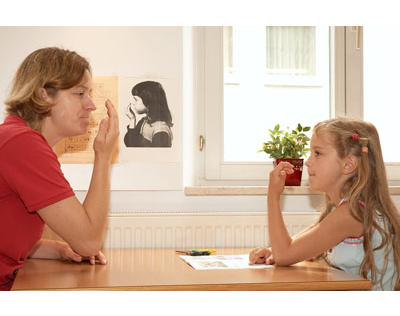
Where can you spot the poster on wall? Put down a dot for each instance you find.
(140, 162)
(149, 120)
(148, 117)
(79, 149)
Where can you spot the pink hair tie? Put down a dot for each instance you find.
(355, 137)
(364, 150)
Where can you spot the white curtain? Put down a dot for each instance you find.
(290, 50)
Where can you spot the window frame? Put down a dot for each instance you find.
(346, 100)
(354, 89)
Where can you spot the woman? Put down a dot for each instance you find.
(154, 128)
(50, 100)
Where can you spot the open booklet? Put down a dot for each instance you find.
(222, 262)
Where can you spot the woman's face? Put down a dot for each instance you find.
(138, 105)
(70, 116)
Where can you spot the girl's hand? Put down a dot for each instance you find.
(129, 112)
(67, 253)
(277, 178)
(261, 255)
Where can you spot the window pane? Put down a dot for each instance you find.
(255, 101)
(381, 85)
(290, 50)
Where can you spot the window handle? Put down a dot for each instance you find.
(358, 30)
(202, 142)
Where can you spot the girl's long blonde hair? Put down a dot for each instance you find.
(369, 185)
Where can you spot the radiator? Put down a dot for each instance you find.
(193, 230)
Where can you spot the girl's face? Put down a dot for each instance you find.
(138, 104)
(70, 116)
(324, 165)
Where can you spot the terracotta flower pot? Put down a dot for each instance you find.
(293, 179)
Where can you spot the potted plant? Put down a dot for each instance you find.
(288, 146)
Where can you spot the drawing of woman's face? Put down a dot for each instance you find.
(139, 105)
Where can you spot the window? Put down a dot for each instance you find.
(271, 69)
(372, 86)
(290, 50)
(256, 77)
(381, 85)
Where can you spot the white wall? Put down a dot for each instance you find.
(145, 52)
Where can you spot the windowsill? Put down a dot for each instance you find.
(258, 190)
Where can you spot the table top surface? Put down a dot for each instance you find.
(163, 269)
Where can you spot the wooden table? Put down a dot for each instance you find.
(163, 269)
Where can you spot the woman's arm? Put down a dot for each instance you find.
(52, 249)
(47, 249)
(82, 226)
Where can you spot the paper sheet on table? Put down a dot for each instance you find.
(222, 262)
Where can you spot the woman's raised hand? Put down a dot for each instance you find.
(108, 131)
(277, 178)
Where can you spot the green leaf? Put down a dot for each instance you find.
(299, 127)
(289, 143)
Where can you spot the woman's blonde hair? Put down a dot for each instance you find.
(368, 185)
(50, 68)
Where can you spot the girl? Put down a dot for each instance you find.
(359, 229)
(154, 129)
(49, 100)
